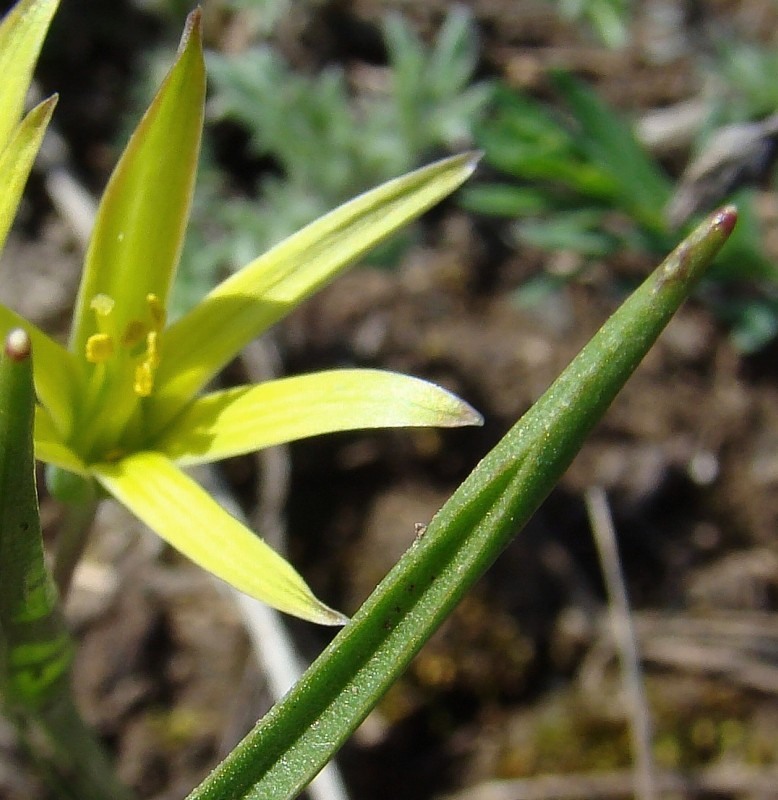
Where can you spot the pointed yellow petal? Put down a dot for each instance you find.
(16, 161)
(22, 31)
(174, 506)
(249, 418)
(50, 448)
(140, 224)
(54, 370)
(204, 340)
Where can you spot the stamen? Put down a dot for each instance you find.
(144, 379)
(102, 305)
(124, 354)
(152, 349)
(157, 311)
(99, 348)
(144, 372)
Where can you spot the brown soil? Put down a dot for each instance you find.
(522, 680)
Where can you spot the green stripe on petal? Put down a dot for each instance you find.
(16, 161)
(185, 516)
(21, 36)
(55, 371)
(142, 217)
(249, 418)
(204, 340)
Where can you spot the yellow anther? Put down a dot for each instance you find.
(138, 343)
(157, 311)
(99, 348)
(102, 305)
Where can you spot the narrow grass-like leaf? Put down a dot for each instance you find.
(35, 649)
(287, 748)
(249, 418)
(55, 370)
(527, 141)
(612, 146)
(503, 200)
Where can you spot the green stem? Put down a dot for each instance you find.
(72, 540)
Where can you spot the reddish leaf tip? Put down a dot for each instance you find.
(725, 219)
(18, 345)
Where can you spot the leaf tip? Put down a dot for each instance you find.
(448, 409)
(473, 158)
(332, 618)
(468, 416)
(695, 253)
(725, 219)
(18, 346)
(192, 26)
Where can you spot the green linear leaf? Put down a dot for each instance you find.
(612, 146)
(299, 735)
(35, 647)
(56, 372)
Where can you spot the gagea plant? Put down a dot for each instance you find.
(121, 409)
(120, 412)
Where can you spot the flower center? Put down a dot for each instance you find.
(125, 356)
(136, 345)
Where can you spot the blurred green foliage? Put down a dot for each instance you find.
(747, 73)
(573, 177)
(609, 19)
(573, 172)
(569, 174)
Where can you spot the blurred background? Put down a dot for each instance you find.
(608, 128)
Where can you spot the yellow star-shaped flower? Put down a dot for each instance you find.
(122, 405)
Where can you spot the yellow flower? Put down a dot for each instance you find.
(122, 405)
